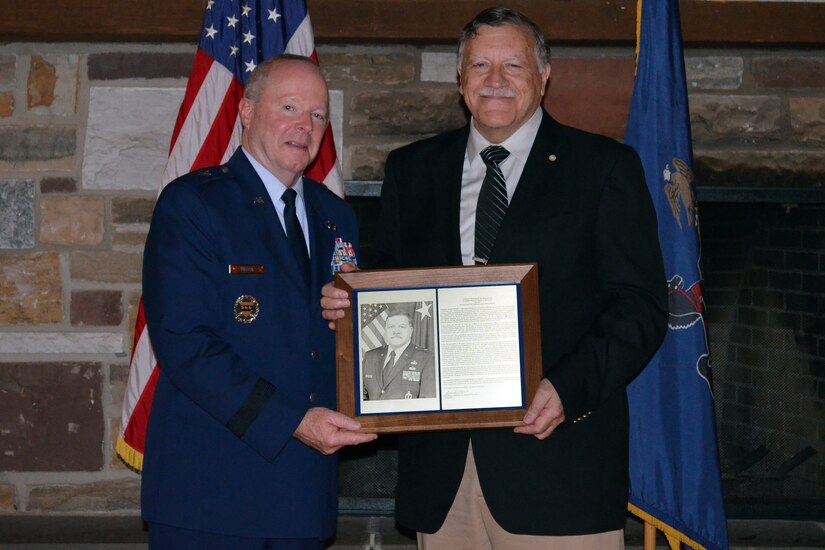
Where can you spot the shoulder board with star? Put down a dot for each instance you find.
(207, 174)
(311, 181)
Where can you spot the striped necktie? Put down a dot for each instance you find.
(492, 203)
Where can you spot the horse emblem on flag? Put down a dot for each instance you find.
(686, 306)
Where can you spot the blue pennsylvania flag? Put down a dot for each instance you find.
(675, 481)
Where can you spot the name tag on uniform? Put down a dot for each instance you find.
(246, 269)
(411, 376)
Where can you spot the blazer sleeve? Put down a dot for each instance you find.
(182, 292)
(632, 322)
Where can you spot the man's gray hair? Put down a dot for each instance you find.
(255, 83)
(499, 17)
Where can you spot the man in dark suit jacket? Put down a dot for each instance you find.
(242, 429)
(399, 370)
(576, 204)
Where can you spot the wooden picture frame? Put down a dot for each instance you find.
(484, 330)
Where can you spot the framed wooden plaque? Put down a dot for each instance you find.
(440, 348)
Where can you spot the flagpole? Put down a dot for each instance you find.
(650, 529)
(650, 536)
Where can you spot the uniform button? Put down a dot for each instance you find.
(314, 354)
(313, 397)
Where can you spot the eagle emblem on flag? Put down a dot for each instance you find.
(679, 191)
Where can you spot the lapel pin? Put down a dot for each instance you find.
(258, 200)
(552, 157)
(331, 226)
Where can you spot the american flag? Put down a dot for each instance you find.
(373, 317)
(236, 36)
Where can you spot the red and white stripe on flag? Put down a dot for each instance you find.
(206, 133)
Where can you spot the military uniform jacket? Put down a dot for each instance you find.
(412, 375)
(243, 353)
(583, 213)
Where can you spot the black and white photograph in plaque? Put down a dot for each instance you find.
(398, 360)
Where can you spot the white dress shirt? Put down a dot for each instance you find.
(276, 188)
(519, 146)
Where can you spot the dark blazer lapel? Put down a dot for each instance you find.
(539, 163)
(379, 370)
(273, 236)
(452, 170)
(539, 171)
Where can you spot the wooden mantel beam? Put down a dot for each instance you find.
(704, 22)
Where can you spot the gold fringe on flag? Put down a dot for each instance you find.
(674, 537)
(132, 458)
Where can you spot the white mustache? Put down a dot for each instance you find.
(497, 92)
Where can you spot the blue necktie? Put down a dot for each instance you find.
(294, 234)
(492, 203)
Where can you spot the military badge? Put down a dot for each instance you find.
(341, 254)
(246, 309)
(411, 376)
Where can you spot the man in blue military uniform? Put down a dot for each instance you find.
(400, 369)
(239, 450)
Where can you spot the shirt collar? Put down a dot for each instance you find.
(274, 186)
(518, 144)
(398, 351)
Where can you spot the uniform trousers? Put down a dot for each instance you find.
(470, 526)
(166, 537)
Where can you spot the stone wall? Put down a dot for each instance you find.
(84, 130)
